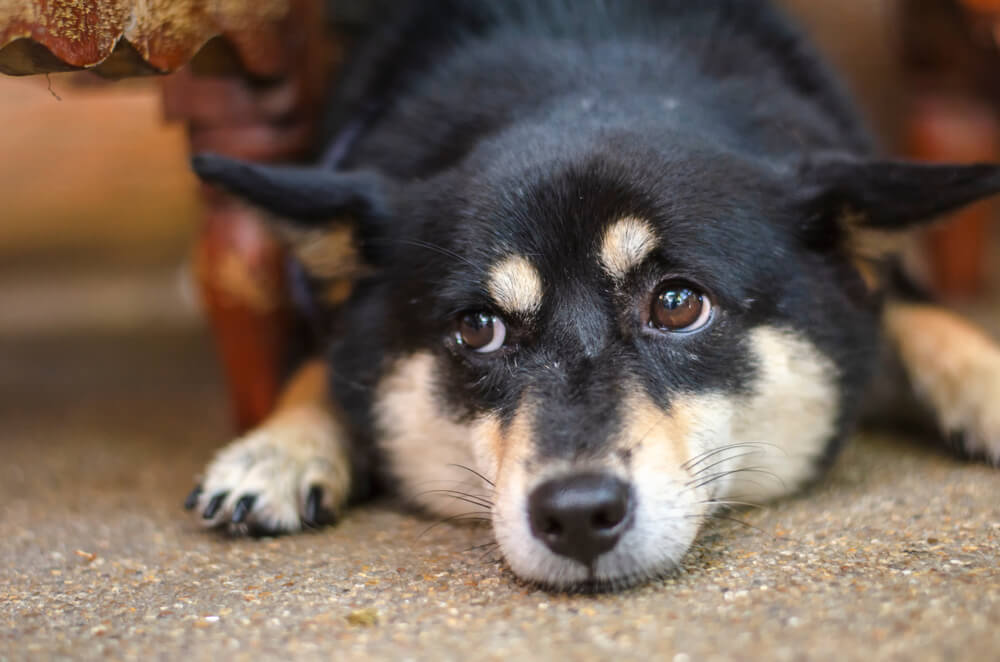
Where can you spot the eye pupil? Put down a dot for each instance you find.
(677, 307)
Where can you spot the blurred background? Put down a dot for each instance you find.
(99, 208)
(104, 233)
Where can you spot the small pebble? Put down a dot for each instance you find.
(363, 617)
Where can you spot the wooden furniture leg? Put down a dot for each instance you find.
(959, 131)
(951, 52)
(240, 266)
(240, 269)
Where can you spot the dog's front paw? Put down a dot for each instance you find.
(955, 368)
(971, 419)
(291, 472)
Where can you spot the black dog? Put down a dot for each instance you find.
(616, 264)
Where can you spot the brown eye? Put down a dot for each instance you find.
(679, 308)
(481, 332)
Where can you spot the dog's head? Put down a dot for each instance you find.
(622, 341)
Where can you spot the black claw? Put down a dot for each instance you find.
(243, 508)
(315, 513)
(958, 444)
(214, 504)
(955, 438)
(192, 499)
(314, 504)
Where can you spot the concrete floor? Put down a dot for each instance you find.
(895, 556)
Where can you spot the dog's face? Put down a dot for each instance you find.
(620, 342)
(626, 343)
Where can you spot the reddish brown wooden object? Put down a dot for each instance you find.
(959, 131)
(240, 265)
(240, 272)
(132, 37)
(952, 53)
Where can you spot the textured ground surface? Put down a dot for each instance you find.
(894, 556)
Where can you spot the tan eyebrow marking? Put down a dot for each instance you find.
(625, 245)
(515, 285)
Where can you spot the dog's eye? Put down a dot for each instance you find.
(481, 332)
(679, 307)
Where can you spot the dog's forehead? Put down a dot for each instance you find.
(592, 233)
(536, 237)
(515, 282)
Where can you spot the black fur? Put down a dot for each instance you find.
(527, 127)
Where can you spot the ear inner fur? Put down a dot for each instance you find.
(326, 253)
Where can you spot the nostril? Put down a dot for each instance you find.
(609, 518)
(551, 527)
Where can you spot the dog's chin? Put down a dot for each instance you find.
(611, 573)
(636, 560)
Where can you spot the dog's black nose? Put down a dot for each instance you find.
(580, 516)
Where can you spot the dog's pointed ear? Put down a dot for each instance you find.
(892, 195)
(333, 222)
(307, 195)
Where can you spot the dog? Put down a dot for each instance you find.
(611, 266)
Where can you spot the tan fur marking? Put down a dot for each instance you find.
(625, 245)
(954, 367)
(338, 291)
(307, 386)
(793, 411)
(515, 285)
(491, 446)
(648, 426)
(421, 443)
(510, 448)
(870, 273)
